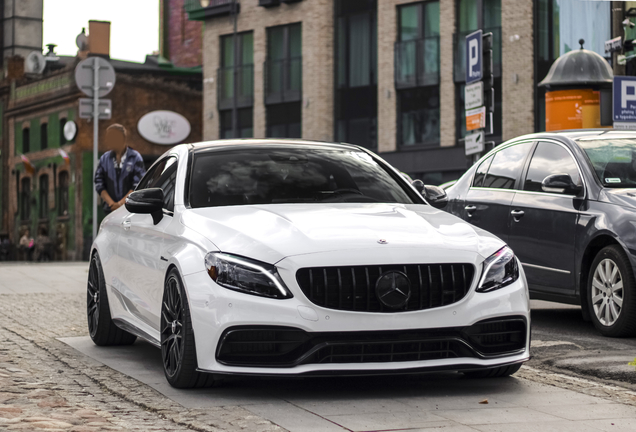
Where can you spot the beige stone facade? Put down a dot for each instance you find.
(318, 89)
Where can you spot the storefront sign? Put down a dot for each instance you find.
(164, 127)
(476, 118)
(572, 109)
(474, 95)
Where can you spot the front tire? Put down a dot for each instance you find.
(178, 350)
(610, 293)
(101, 327)
(498, 372)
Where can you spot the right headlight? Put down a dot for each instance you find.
(500, 270)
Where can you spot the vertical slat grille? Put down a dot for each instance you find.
(353, 288)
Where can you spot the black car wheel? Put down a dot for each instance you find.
(178, 349)
(610, 291)
(498, 372)
(101, 327)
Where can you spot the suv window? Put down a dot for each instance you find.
(548, 159)
(506, 166)
(481, 171)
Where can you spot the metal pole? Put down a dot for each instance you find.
(95, 136)
(235, 76)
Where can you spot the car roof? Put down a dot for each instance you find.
(268, 142)
(581, 134)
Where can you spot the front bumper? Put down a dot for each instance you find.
(326, 341)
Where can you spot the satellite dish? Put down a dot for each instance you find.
(82, 41)
(34, 63)
(70, 129)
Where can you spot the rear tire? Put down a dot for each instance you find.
(498, 372)
(101, 327)
(178, 349)
(610, 293)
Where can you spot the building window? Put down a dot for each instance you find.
(62, 209)
(236, 85)
(44, 136)
(356, 107)
(417, 74)
(62, 124)
(417, 48)
(26, 140)
(559, 24)
(244, 123)
(283, 67)
(474, 15)
(25, 199)
(44, 196)
(284, 120)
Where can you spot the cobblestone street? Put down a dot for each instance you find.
(46, 384)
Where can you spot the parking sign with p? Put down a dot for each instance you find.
(624, 99)
(473, 57)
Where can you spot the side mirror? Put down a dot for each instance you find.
(436, 196)
(418, 185)
(147, 201)
(560, 183)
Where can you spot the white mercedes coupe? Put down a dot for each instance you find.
(290, 257)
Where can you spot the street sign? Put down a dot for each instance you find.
(624, 99)
(84, 76)
(86, 108)
(476, 118)
(474, 143)
(474, 95)
(473, 57)
(625, 125)
(613, 45)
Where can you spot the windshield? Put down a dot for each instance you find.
(614, 161)
(294, 175)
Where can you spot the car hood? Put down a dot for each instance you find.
(270, 233)
(621, 197)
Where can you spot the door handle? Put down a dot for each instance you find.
(126, 225)
(470, 209)
(517, 214)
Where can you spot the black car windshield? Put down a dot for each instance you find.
(271, 175)
(614, 160)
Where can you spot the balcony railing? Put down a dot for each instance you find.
(283, 80)
(244, 76)
(214, 8)
(459, 51)
(417, 62)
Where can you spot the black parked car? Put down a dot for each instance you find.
(566, 204)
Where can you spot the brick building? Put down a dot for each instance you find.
(385, 74)
(57, 196)
(179, 38)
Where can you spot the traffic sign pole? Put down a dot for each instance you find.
(95, 138)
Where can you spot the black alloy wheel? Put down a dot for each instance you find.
(101, 327)
(178, 350)
(610, 293)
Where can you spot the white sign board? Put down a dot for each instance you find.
(613, 45)
(474, 143)
(625, 125)
(164, 127)
(474, 95)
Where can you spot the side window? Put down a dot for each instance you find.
(506, 166)
(167, 182)
(481, 171)
(549, 159)
(151, 179)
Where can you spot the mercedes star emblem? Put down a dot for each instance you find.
(393, 289)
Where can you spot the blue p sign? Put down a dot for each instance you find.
(624, 96)
(473, 57)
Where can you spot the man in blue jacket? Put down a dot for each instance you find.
(119, 169)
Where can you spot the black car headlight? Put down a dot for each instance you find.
(500, 270)
(245, 275)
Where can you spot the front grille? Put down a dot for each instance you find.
(353, 288)
(272, 346)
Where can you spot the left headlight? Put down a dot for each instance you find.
(500, 270)
(246, 275)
